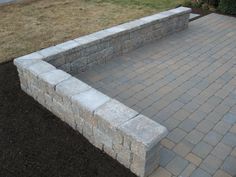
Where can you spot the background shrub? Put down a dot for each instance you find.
(227, 6)
(213, 2)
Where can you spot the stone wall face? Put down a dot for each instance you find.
(121, 132)
(78, 54)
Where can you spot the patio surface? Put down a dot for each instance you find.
(186, 82)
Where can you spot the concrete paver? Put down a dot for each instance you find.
(187, 82)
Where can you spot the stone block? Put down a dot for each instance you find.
(110, 152)
(87, 102)
(50, 51)
(50, 79)
(144, 134)
(124, 157)
(181, 10)
(70, 87)
(143, 167)
(68, 45)
(177, 165)
(39, 68)
(27, 60)
(102, 138)
(84, 41)
(111, 115)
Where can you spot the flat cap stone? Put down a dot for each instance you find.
(114, 113)
(27, 60)
(133, 24)
(71, 87)
(67, 45)
(181, 10)
(50, 51)
(115, 30)
(86, 39)
(40, 67)
(88, 101)
(144, 130)
(101, 34)
(54, 77)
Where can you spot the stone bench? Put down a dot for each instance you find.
(124, 134)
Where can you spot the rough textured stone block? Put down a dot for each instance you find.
(70, 87)
(39, 68)
(27, 60)
(145, 135)
(85, 40)
(112, 114)
(67, 45)
(87, 102)
(52, 78)
(48, 52)
(102, 138)
(144, 132)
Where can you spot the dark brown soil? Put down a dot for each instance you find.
(35, 143)
(206, 12)
(200, 11)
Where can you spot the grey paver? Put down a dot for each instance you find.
(197, 116)
(177, 165)
(199, 172)
(202, 149)
(212, 138)
(205, 126)
(229, 139)
(230, 118)
(194, 136)
(211, 164)
(171, 123)
(166, 156)
(188, 170)
(222, 127)
(229, 165)
(176, 135)
(183, 148)
(188, 125)
(221, 151)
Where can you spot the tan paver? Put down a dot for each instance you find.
(194, 159)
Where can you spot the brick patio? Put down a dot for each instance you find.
(186, 82)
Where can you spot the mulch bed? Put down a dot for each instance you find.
(35, 143)
(206, 12)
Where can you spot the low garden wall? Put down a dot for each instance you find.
(81, 53)
(121, 132)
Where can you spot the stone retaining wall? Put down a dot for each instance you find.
(121, 132)
(81, 53)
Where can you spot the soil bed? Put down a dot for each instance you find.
(206, 12)
(33, 142)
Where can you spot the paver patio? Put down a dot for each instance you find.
(186, 82)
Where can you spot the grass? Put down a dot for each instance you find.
(31, 25)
